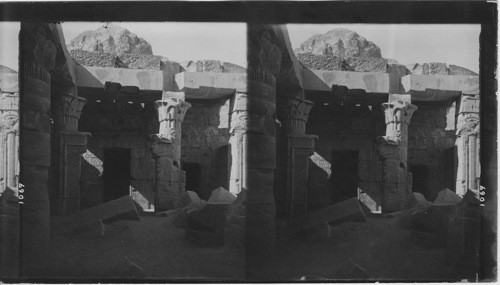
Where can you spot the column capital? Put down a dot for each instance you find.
(9, 110)
(295, 113)
(171, 111)
(68, 109)
(397, 116)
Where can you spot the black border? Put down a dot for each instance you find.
(280, 12)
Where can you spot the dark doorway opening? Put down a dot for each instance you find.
(116, 173)
(449, 167)
(219, 171)
(420, 178)
(193, 178)
(344, 175)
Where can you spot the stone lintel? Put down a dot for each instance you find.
(369, 82)
(469, 104)
(211, 85)
(144, 79)
(439, 87)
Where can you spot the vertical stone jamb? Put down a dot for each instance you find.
(238, 148)
(300, 146)
(9, 170)
(67, 109)
(170, 180)
(468, 142)
(393, 151)
(9, 108)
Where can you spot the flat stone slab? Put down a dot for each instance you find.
(119, 207)
(438, 87)
(323, 80)
(96, 77)
(348, 210)
(210, 85)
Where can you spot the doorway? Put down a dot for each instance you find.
(116, 173)
(193, 178)
(344, 175)
(420, 178)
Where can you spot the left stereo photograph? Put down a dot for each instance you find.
(130, 140)
(11, 192)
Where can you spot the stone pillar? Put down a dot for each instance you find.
(67, 109)
(238, 148)
(170, 180)
(35, 163)
(9, 171)
(260, 140)
(468, 142)
(393, 151)
(9, 140)
(300, 147)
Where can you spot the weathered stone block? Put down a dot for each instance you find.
(221, 196)
(369, 194)
(447, 197)
(349, 209)
(139, 168)
(111, 209)
(190, 197)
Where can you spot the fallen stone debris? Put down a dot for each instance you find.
(314, 222)
(450, 222)
(93, 219)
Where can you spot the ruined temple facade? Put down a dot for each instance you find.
(293, 137)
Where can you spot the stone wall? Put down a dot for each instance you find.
(431, 136)
(340, 128)
(118, 125)
(205, 133)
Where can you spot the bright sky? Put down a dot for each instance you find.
(182, 41)
(409, 43)
(9, 44)
(453, 44)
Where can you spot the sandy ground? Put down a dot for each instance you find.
(376, 250)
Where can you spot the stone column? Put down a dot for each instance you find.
(35, 163)
(67, 109)
(393, 151)
(170, 180)
(300, 146)
(260, 140)
(238, 148)
(468, 142)
(9, 139)
(9, 171)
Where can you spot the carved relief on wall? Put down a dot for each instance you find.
(10, 121)
(468, 124)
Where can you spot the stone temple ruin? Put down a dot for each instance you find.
(297, 131)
